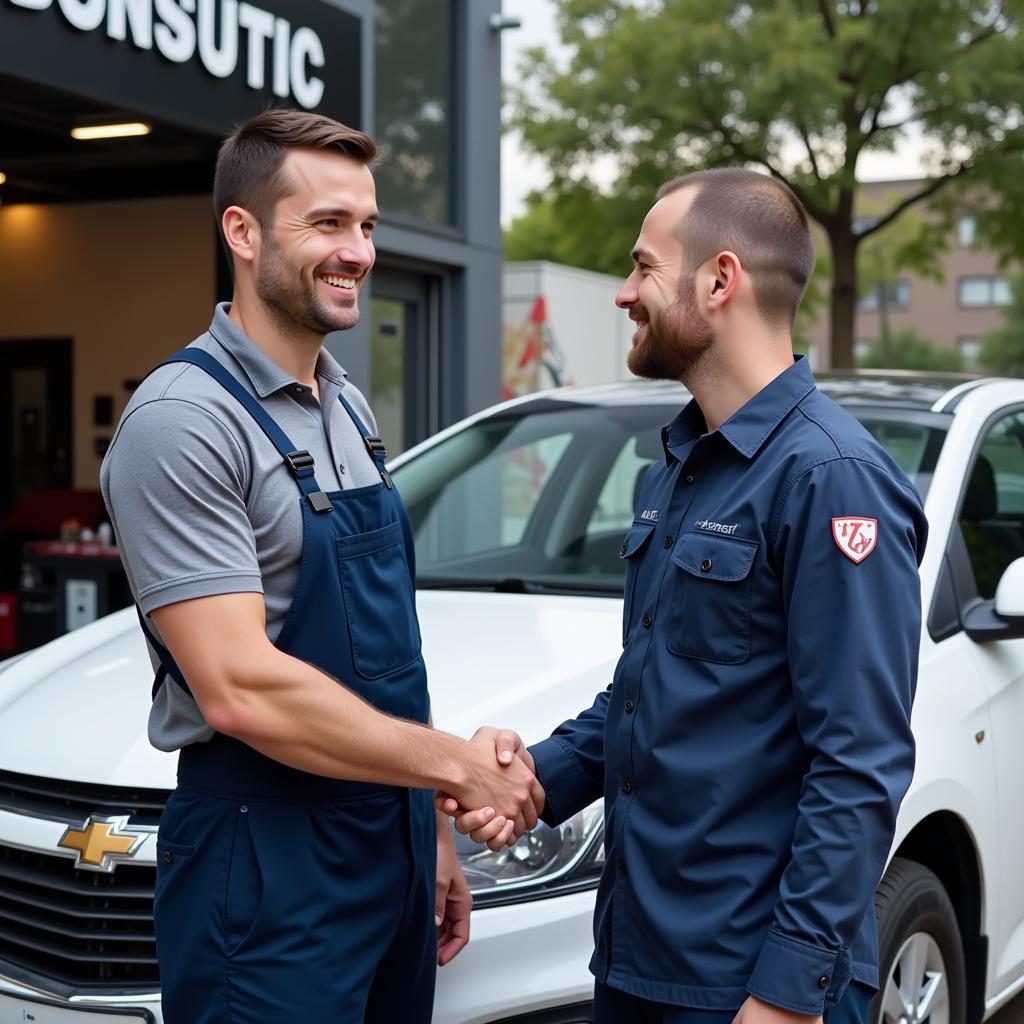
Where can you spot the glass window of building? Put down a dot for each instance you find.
(1002, 293)
(861, 348)
(966, 229)
(413, 92)
(896, 295)
(984, 291)
(970, 350)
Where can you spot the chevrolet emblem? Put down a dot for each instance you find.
(100, 844)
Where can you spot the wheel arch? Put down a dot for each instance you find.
(944, 844)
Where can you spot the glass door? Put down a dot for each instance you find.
(404, 388)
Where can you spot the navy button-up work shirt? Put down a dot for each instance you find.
(755, 743)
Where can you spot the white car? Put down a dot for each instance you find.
(519, 513)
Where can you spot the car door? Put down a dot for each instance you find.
(991, 522)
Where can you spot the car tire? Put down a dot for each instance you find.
(921, 957)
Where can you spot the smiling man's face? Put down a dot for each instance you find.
(318, 250)
(661, 297)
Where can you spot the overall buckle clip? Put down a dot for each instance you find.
(299, 460)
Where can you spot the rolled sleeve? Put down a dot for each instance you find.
(852, 643)
(570, 764)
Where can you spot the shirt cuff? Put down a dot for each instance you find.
(564, 783)
(798, 976)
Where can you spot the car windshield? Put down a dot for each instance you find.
(537, 498)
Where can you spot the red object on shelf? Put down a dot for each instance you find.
(7, 631)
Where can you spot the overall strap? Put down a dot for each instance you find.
(374, 445)
(299, 461)
(168, 666)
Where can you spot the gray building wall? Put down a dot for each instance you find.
(466, 257)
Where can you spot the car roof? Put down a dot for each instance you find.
(898, 389)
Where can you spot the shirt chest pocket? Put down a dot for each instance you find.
(709, 610)
(632, 548)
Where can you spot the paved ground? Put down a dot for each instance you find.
(1012, 1013)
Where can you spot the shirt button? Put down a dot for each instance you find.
(669, 541)
(168, 856)
(823, 981)
(689, 478)
(298, 390)
(629, 707)
(705, 566)
(627, 787)
(647, 621)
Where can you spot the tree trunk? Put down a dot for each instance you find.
(843, 307)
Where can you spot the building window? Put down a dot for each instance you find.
(413, 97)
(970, 351)
(984, 291)
(861, 349)
(966, 230)
(896, 295)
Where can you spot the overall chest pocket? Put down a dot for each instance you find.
(379, 601)
(632, 548)
(709, 611)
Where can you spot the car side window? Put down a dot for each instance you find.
(614, 509)
(992, 514)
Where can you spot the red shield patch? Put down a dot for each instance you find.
(856, 536)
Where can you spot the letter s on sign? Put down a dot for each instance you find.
(176, 37)
(306, 45)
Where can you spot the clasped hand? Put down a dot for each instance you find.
(503, 797)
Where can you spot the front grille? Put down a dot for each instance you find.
(79, 928)
(57, 798)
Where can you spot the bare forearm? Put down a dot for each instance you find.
(299, 716)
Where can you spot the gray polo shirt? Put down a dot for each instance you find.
(202, 503)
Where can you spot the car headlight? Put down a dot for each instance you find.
(545, 862)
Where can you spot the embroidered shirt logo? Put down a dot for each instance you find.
(707, 524)
(856, 536)
(650, 514)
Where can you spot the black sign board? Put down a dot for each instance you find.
(202, 64)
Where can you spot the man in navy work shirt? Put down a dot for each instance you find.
(303, 873)
(755, 744)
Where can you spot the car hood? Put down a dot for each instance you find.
(77, 707)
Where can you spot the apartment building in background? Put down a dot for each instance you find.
(954, 313)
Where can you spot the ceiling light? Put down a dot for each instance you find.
(111, 131)
(3, 177)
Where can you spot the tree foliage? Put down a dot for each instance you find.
(801, 89)
(907, 350)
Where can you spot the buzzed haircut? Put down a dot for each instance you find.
(249, 165)
(762, 222)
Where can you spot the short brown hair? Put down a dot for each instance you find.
(249, 163)
(759, 219)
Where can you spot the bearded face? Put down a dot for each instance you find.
(293, 293)
(674, 338)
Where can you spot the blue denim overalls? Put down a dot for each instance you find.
(283, 896)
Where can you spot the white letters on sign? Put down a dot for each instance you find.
(214, 28)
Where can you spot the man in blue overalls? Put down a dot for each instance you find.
(755, 744)
(303, 873)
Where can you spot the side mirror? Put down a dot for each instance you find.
(1002, 619)
(1010, 591)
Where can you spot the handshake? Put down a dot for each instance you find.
(499, 798)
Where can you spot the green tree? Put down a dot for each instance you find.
(1002, 351)
(907, 350)
(800, 88)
